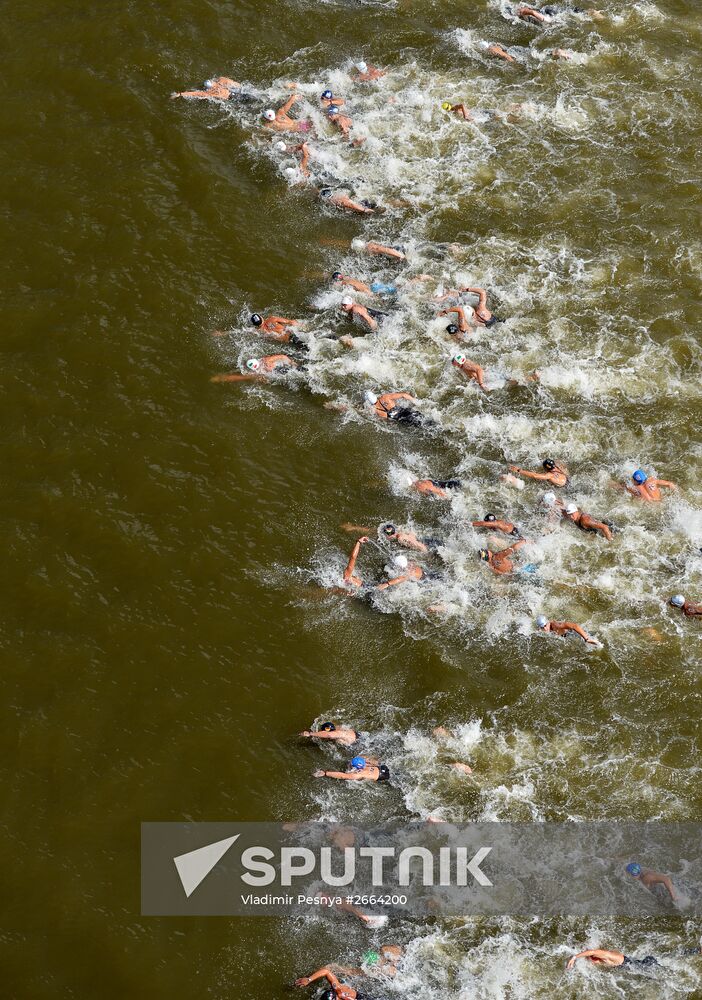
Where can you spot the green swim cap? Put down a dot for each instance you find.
(371, 957)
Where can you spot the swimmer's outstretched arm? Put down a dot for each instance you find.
(238, 378)
(289, 103)
(656, 878)
(323, 973)
(581, 954)
(351, 565)
(513, 548)
(202, 95)
(572, 627)
(590, 522)
(528, 474)
(323, 735)
(460, 313)
(391, 583)
(666, 482)
(342, 775)
(480, 292)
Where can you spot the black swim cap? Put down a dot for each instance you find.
(327, 727)
(549, 464)
(256, 319)
(389, 529)
(452, 328)
(336, 275)
(489, 517)
(325, 192)
(328, 995)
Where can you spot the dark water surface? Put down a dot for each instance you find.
(164, 634)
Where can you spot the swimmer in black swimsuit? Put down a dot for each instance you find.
(554, 473)
(361, 770)
(408, 539)
(328, 731)
(612, 959)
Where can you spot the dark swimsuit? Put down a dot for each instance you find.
(431, 543)
(446, 484)
(404, 415)
(649, 960)
(377, 314)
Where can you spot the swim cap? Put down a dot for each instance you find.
(327, 727)
(256, 319)
(336, 275)
(269, 115)
(347, 300)
(357, 243)
(328, 995)
(541, 621)
(677, 600)
(327, 95)
(370, 397)
(572, 508)
(489, 517)
(452, 328)
(209, 84)
(253, 364)
(445, 105)
(549, 499)
(358, 763)
(281, 146)
(401, 561)
(639, 476)
(333, 111)
(549, 464)
(634, 869)
(458, 359)
(389, 529)
(371, 957)
(290, 171)
(362, 67)
(484, 554)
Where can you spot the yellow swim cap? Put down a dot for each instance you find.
(445, 106)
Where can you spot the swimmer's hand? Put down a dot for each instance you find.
(363, 539)
(303, 981)
(319, 774)
(515, 468)
(305, 733)
(175, 94)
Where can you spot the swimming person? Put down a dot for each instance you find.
(689, 609)
(532, 15)
(385, 406)
(258, 368)
(408, 539)
(328, 100)
(408, 572)
(395, 253)
(554, 473)
(358, 286)
(221, 88)
(302, 148)
(563, 628)
(280, 120)
(462, 325)
(367, 73)
(586, 522)
(612, 959)
(434, 487)
(647, 487)
(470, 369)
(343, 201)
(337, 991)
(276, 327)
(328, 731)
(496, 524)
(481, 312)
(501, 562)
(354, 311)
(343, 123)
(650, 878)
(360, 770)
(498, 51)
(457, 109)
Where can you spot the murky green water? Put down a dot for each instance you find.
(164, 632)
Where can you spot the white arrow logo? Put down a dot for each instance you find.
(196, 865)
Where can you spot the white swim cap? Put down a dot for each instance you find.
(362, 67)
(370, 397)
(347, 300)
(253, 364)
(281, 146)
(677, 600)
(459, 358)
(209, 84)
(572, 508)
(269, 115)
(401, 562)
(290, 171)
(357, 243)
(541, 621)
(549, 499)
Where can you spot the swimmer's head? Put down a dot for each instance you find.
(634, 869)
(402, 562)
(253, 364)
(458, 359)
(549, 464)
(446, 105)
(346, 302)
(328, 995)
(452, 329)
(571, 508)
(484, 554)
(370, 397)
(678, 601)
(333, 111)
(489, 517)
(281, 147)
(548, 499)
(336, 276)
(362, 66)
(639, 477)
(357, 243)
(325, 192)
(327, 727)
(371, 958)
(389, 530)
(327, 95)
(358, 763)
(256, 319)
(541, 621)
(269, 115)
(209, 84)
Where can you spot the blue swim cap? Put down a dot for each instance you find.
(634, 869)
(639, 476)
(358, 763)
(327, 95)
(333, 111)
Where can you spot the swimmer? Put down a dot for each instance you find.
(385, 406)
(612, 959)
(434, 487)
(354, 311)
(280, 120)
(470, 369)
(586, 522)
(343, 201)
(383, 962)
(532, 15)
(481, 312)
(328, 100)
(561, 54)
(361, 770)
(650, 878)
(358, 286)
(395, 253)
(490, 521)
(349, 577)
(302, 148)
(689, 609)
(328, 731)
(408, 539)
(367, 73)
(555, 473)
(462, 325)
(500, 53)
(408, 572)
(341, 122)
(647, 488)
(501, 562)
(563, 628)
(276, 327)
(258, 368)
(457, 109)
(337, 991)
(219, 89)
